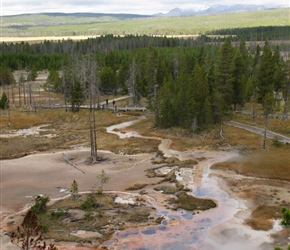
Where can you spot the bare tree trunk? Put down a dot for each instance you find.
(64, 89)
(12, 94)
(19, 95)
(93, 137)
(24, 93)
(93, 91)
(30, 93)
(286, 109)
(221, 131)
(49, 98)
(254, 110)
(132, 84)
(265, 131)
(8, 113)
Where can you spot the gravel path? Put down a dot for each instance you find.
(259, 131)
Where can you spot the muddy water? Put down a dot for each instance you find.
(220, 228)
(26, 132)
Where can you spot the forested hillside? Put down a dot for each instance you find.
(191, 83)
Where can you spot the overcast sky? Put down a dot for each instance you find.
(14, 7)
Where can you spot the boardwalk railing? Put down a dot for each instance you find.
(102, 107)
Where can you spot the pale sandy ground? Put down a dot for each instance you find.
(47, 174)
(42, 38)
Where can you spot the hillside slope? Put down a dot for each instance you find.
(92, 24)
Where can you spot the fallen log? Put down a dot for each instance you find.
(71, 163)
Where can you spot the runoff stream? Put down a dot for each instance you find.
(220, 228)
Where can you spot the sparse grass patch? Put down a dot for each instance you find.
(69, 129)
(191, 203)
(262, 217)
(272, 163)
(137, 186)
(276, 125)
(127, 145)
(166, 189)
(139, 215)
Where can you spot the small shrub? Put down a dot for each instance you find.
(100, 213)
(89, 203)
(278, 248)
(103, 178)
(74, 190)
(166, 189)
(286, 217)
(276, 142)
(58, 212)
(137, 186)
(88, 216)
(44, 228)
(40, 204)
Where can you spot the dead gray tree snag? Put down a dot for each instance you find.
(71, 163)
(94, 92)
(93, 137)
(132, 84)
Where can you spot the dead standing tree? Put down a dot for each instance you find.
(93, 93)
(132, 84)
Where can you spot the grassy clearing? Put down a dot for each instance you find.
(160, 25)
(274, 162)
(73, 128)
(276, 125)
(68, 129)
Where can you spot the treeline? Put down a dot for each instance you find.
(260, 33)
(203, 93)
(51, 55)
(188, 82)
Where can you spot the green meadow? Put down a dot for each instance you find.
(50, 25)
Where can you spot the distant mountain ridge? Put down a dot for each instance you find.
(215, 9)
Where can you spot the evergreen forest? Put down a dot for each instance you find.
(193, 83)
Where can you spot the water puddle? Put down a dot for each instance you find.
(219, 228)
(29, 131)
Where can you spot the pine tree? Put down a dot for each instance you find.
(151, 65)
(224, 75)
(164, 110)
(54, 82)
(74, 190)
(280, 74)
(265, 75)
(239, 79)
(4, 101)
(200, 94)
(223, 93)
(286, 90)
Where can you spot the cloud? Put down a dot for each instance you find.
(10, 7)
